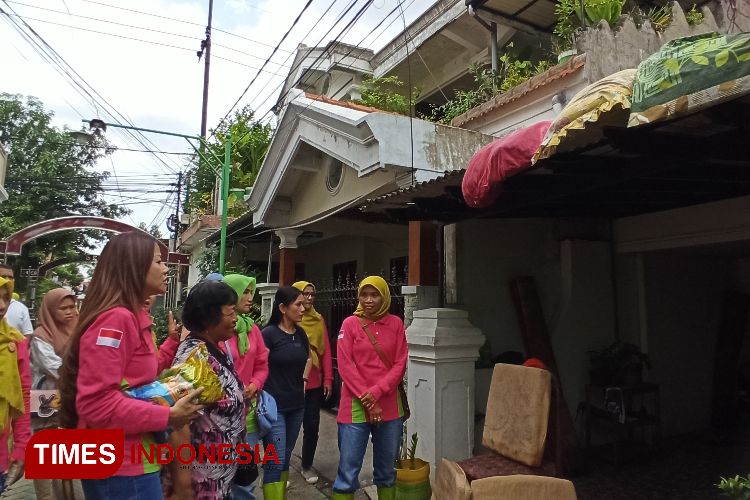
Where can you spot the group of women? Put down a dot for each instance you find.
(289, 359)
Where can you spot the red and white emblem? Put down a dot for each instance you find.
(109, 337)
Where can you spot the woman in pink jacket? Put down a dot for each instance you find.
(370, 402)
(15, 389)
(112, 348)
(250, 357)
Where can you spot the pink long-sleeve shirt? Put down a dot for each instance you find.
(166, 352)
(325, 368)
(362, 370)
(118, 351)
(22, 425)
(253, 366)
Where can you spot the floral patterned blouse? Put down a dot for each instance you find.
(222, 422)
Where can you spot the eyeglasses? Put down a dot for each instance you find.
(309, 295)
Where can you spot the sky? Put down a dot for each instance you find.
(150, 74)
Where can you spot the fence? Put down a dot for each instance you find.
(336, 299)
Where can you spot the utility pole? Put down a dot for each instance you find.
(177, 215)
(206, 48)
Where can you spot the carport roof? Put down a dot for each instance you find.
(692, 160)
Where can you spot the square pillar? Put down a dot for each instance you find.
(423, 255)
(287, 254)
(267, 292)
(443, 346)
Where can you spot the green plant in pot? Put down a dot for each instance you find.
(412, 474)
(737, 488)
(618, 364)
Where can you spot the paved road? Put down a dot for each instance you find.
(326, 463)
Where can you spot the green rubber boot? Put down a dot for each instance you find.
(274, 491)
(387, 493)
(343, 496)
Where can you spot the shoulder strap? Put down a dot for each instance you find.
(375, 344)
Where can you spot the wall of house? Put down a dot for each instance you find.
(371, 253)
(573, 279)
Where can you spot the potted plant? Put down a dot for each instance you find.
(565, 30)
(737, 488)
(618, 364)
(412, 474)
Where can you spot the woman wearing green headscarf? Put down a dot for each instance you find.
(249, 354)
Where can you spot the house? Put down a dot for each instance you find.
(617, 251)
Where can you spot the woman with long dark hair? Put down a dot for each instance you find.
(289, 365)
(370, 401)
(210, 316)
(112, 348)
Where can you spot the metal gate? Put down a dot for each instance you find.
(336, 300)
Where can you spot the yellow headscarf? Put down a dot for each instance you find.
(312, 324)
(11, 392)
(382, 287)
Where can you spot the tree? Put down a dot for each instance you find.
(49, 175)
(154, 231)
(250, 142)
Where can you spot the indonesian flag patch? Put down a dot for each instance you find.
(109, 337)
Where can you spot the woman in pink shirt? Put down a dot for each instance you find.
(370, 402)
(15, 389)
(111, 349)
(320, 380)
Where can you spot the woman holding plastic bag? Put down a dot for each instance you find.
(289, 366)
(250, 357)
(210, 316)
(111, 346)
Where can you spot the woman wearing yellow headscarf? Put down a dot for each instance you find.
(370, 402)
(320, 379)
(15, 390)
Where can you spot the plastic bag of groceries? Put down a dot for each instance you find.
(175, 383)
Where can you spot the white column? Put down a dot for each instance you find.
(267, 292)
(443, 346)
(288, 237)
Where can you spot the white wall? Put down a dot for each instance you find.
(492, 252)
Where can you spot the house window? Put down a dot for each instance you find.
(335, 175)
(344, 273)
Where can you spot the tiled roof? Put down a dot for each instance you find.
(347, 104)
(540, 80)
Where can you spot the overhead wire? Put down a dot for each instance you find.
(79, 84)
(180, 21)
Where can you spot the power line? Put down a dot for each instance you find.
(180, 21)
(26, 18)
(266, 61)
(79, 84)
(124, 25)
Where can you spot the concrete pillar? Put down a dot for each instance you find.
(443, 346)
(267, 292)
(451, 265)
(287, 254)
(417, 298)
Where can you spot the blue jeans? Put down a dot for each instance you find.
(143, 487)
(386, 439)
(247, 492)
(283, 436)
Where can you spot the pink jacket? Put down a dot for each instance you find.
(326, 367)
(117, 352)
(167, 352)
(21, 426)
(253, 366)
(362, 369)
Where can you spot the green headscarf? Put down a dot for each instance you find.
(239, 284)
